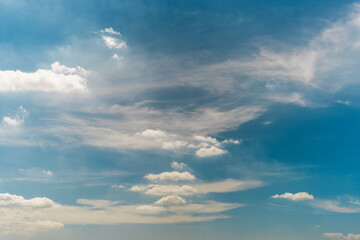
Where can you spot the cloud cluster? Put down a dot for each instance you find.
(173, 195)
(22, 216)
(350, 236)
(59, 78)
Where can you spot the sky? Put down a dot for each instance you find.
(179, 120)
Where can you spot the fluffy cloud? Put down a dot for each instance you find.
(112, 38)
(59, 78)
(178, 166)
(138, 188)
(13, 201)
(350, 236)
(152, 133)
(173, 176)
(24, 216)
(164, 190)
(171, 200)
(210, 152)
(300, 196)
(21, 216)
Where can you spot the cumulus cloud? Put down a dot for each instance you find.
(173, 176)
(59, 78)
(350, 236)
(164, 190)
(152, 133)
(171, 200)
(13, 201)
(178, 166)
(112, 38)
(22, 216)
(210, 152)
(300, 196)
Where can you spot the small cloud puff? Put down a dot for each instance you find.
(152, 133)
(172, 176)
(47, 172)
(178, 166)
(18, 119)
(171, 200)
(210, 151)
(300, 196)
(112, 38)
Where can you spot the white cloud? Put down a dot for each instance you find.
(22, 216)
(343, 102)
(97, 204)
(117, 186)
(59, 78)
(334, 206)
(117, 57)
(174, 145)
(171, 200)
(13, 201)
(152, 133)
(48, 172)
(150, 209)
(110, 30)
(300, 196)
(207, 140)
(112, 39)
(164, 190)
(173, 176)
(112, 42)
(18, 119)
(178, 166)
(208, 207)
(350, 236)
(229, 185)
(138, 188)
(210, 151)
(294, 98)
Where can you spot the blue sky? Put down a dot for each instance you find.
(179, 120)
